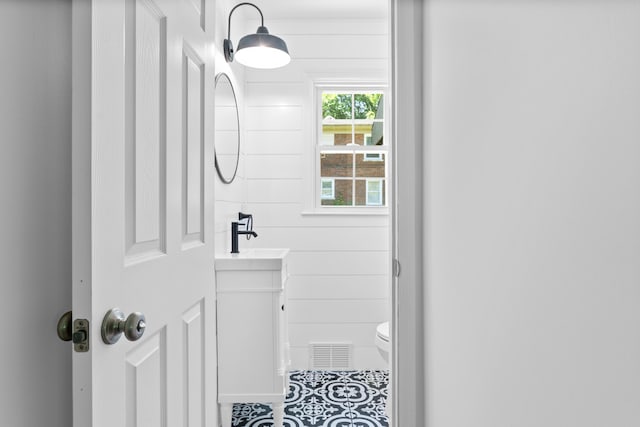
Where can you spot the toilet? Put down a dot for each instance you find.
(384, 348)
(382, 340)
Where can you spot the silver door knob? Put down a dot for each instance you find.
(114, 325)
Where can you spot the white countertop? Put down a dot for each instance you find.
(252, 259)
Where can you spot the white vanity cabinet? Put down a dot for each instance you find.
(253, 347)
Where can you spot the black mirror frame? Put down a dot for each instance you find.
(218, 169)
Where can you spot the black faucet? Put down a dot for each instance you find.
(247, 231)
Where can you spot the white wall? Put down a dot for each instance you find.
(533, 230)
(229, 198)
(35, 189)
(339, 273)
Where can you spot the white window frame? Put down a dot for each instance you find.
(371, 157)
(380, 191)
(314, 205)
(333, 188)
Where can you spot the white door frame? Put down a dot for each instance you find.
(407, 79)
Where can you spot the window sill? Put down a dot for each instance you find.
(383, 211)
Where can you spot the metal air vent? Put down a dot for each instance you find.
(331, 356)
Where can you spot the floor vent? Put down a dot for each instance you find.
(330, 355)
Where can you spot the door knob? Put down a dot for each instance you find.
(114, 325)
(65, 327)
(74, 330)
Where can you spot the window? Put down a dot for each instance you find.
(374, 192)
(327, 190)
(351, 147)
(368, 157)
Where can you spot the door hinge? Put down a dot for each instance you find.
(396, 268)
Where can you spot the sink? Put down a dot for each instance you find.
(252, 259)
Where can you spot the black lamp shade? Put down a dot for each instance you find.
(262, 50)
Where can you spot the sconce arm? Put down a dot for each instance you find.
(237, 6)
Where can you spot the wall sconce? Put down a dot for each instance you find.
(259, 50)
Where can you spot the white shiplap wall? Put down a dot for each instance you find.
(339, 269)
(229, 198)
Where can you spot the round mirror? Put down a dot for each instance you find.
(227, 135)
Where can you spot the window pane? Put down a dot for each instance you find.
(362, 132)
(327, 189)
(343, 193)
(336, 134)
(366, 105)
(337, 119)
(374, 198)
(361, 192)
(377, 133)
(370, 193)
(337, 105)
(336, 165)
(370, 164)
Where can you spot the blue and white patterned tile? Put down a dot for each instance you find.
(367, 422)
(245, 412)
(376, 379)
(298, 390)
(341, 392)
(327, 399)
(317, 379)
(368, 397)
(316, 411)
(371, 413)
(267, 421)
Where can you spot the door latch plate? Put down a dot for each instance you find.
(80, 335)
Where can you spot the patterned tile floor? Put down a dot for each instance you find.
(327, 399)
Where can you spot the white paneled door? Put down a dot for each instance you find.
(142, 221)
